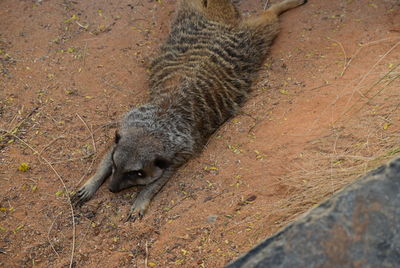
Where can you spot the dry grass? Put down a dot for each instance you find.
(364, 137)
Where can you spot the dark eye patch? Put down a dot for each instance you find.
(162, 163)
(136, 173)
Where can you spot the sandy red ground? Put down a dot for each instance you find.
(324, 110)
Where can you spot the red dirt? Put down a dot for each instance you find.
(316, 120)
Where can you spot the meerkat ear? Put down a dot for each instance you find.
(162, 163)
(117, 136)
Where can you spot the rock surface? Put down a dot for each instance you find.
(358, 227)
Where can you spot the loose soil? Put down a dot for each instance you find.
(324, 110)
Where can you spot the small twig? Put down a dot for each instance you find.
(332, 163)
(12, 120)
(80, 25)
(111, 85)
(72, 159)
(87, 171)
(84, 54)
(23, 120)
(48, 235)
(147, 255)
(112, 124)
(356, 157)
(394, 109)
(179, 202)
(344, 55)
(64, 186)
(379, 41)
(246, 220)
(90, 131)
(256, 121)
(266, 4)
(141, 19)
(351, 59)
(247, 114)
(32, 180)
(321, 86)
(49, 144)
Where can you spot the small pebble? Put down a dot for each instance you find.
(212, 218)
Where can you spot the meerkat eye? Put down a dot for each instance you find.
(136, 173)
(141, 173)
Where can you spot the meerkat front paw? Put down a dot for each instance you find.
(84, 194)
(138, 209)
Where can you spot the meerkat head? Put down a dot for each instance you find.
(138, 159)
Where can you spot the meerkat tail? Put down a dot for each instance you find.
(279, 8)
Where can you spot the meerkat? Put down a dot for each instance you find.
(200, 79)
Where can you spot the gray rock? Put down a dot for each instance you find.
(358, 227)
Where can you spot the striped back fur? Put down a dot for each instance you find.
(203, 74)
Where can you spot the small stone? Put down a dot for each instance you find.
(212, 218)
